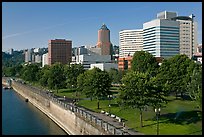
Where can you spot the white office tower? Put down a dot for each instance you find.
(130, 42)
(45, 59)
(161, 37)
(188, 35)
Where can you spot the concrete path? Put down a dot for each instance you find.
(104, 117)
(110, 120)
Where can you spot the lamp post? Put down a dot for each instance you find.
(157, 111)
(109, 103)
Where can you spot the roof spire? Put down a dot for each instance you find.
(104, 27)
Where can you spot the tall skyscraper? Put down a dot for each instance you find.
(59, 50)
(161, 36)
(188, 34)
(130, 41)
(104, 40)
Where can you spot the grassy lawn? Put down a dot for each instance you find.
(70, 93)
(177, 118)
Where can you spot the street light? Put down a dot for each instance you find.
(157, 111)
(109, 103)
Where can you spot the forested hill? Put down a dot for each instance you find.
(11, 60)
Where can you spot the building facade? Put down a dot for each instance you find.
(188, 35)
(104, 66)
(161, 37)
(104, 40)
(36, 50)
(44, 59)
(59, 50)
(87, 59)
(124, 63)
(130, 41)
(28, 55)
(11, 51)
(38, 59)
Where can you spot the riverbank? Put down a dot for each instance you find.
(17, 116)
(74, 120)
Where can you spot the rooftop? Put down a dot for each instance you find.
(104, 27)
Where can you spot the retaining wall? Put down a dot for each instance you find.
(72, 119)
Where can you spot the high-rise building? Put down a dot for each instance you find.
(10, 51)
(161, 37)
(130, 41)
(45, 59)
(59, 50)
(33, 58)
(188, 34)
(28, 55)
(38, 58)
(104, 40)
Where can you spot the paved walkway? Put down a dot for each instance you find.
(102, 116)
(114, 122)
(105, 118)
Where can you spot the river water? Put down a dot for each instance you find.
(22, 118)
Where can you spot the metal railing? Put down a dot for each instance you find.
(92, 119)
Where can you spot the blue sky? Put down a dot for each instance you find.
(28, 25)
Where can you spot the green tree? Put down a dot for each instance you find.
(56, 79)
(30, 72)
(144, 62)
(18, 69)
(96, 83)
(115, 75)
(157, 94)
(44, 75)
(195, 86)
(71, 73)
(9, 71)
(134, 91)
(174, 74)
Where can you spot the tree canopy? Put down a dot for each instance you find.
(94, 83)
(195, 86)
(143, 62)
(175, 73)
(56, 78)
(71, 73)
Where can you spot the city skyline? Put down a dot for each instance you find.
(32, 24)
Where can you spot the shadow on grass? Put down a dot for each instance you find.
(150, 124)
(179, 97)
(181, 117)
(67, 91)
(195, 132)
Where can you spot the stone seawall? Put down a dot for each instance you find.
(70, 118)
